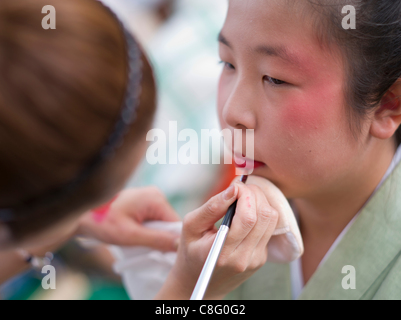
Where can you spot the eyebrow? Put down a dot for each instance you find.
(272, 51)
(223, 40)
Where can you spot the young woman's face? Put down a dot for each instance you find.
(279, 80)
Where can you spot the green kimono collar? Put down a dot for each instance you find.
(371, 246)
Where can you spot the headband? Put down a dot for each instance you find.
(115, 140)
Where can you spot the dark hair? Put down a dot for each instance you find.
(61, 95)
(372, 51)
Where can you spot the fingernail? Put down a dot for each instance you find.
(229, 193)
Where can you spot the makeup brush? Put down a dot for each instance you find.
(214, 253)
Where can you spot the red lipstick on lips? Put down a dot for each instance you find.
(258, 164)
(248, 162)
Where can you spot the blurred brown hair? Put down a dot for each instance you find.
(61, 93)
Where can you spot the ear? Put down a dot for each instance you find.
(387, 118)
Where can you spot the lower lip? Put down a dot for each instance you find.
(256, 164)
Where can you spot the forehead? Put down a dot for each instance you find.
(277, 28)
(272, 15)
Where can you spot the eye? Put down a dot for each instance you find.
(274, 81)
(227, 65)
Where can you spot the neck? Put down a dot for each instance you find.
(326, 215)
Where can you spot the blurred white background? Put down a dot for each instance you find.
(180, 37)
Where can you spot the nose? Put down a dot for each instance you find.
(239, 109)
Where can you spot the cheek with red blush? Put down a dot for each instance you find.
(303, 118)
(316, 115)
(303, 129)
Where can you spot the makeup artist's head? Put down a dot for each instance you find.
(62, 94)
(323, 101)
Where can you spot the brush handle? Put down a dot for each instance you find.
(210, 264)
(228, 218)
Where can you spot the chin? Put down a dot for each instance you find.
(264, 173)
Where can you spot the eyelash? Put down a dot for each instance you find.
(227, 65)
(272, 81)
